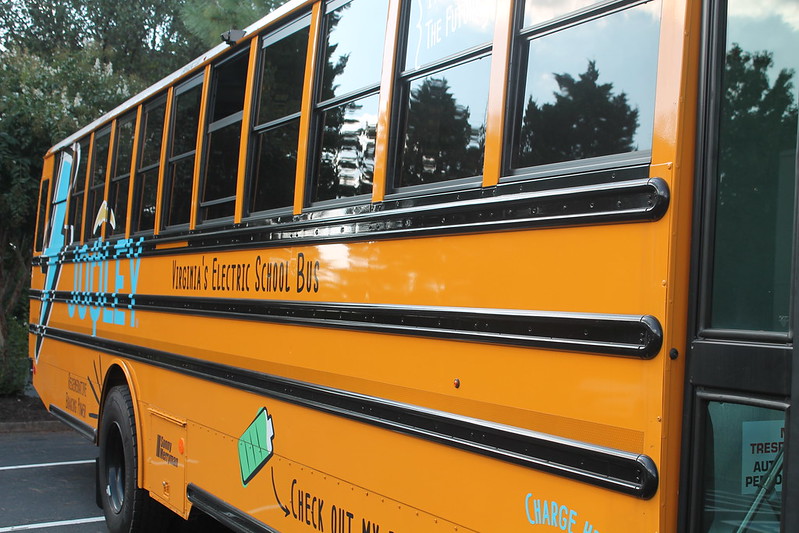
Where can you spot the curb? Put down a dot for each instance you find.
(39, 425)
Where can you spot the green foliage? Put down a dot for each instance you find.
(15, 365)
(63, 63)
(208, 19)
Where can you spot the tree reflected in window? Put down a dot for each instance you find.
(587, 119)
(755, 191)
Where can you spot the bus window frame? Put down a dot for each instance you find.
(75, 178)
(266, 39)
(89, 218)
(401, 80)
(207, 127)
(521, 36)
(319, 107)
(115, 176)
(168, 160)
(42, 219)
(135, 191)
(699, 443)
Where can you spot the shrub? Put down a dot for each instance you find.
(14, 363)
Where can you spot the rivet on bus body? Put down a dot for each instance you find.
(674, 354)
(457, 383)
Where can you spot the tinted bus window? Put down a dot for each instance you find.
(179, 174)
(276, 134)
(94, 217)
(444, 96)
(78, 188)
(119, 185)
(347, 113)
(589, 89)
(41, 226)
(146, 182)
(218, 196)
(755, 174)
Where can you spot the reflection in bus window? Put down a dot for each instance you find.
(589, 90)
(118, 188)
(441, 28)
(443, 107)
(756, 172)
(277, 131)
(218, 193)
(538, 11)
(179, 175)
(94, 216)
(283, 72)
(346, 167)
(349, 64)
(78, 188)
(146, 183)
(445, 125)
(348, 125)
(276, 165)
(41, 227)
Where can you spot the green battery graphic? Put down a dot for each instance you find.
(255, 446)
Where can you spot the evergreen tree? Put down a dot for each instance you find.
(208, 19)
(437, 137)
(586, 120)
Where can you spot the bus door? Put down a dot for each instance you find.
(740, 450)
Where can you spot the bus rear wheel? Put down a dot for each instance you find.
(127, 508)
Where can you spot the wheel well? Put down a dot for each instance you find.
(115, 376)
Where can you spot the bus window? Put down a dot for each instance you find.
(118, 188)
(348, 99)
(218, 196)
(179, 174)
(42, 227)
(755, 175)
(742, 467)
(94, 216)
(276, 133)
(587, 90)
(146, 183)
(78, 187)
(444, 92)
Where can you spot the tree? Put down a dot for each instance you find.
(438, 136)
(208, 19)
(63, 63)
(586, 120)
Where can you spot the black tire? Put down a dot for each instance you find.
(127, 508)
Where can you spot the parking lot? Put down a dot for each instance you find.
(47, 483)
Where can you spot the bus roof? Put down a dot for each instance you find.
(281, 12)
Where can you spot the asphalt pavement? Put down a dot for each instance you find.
(47, 483)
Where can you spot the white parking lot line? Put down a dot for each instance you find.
(28, 527)
(45, 465)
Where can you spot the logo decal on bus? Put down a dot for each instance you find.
(101, 266)
(255, 446)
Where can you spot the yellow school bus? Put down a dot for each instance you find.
(439, 265)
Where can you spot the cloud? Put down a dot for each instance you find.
(787, 10)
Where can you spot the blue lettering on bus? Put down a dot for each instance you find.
(98, 266)
(554, 515)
